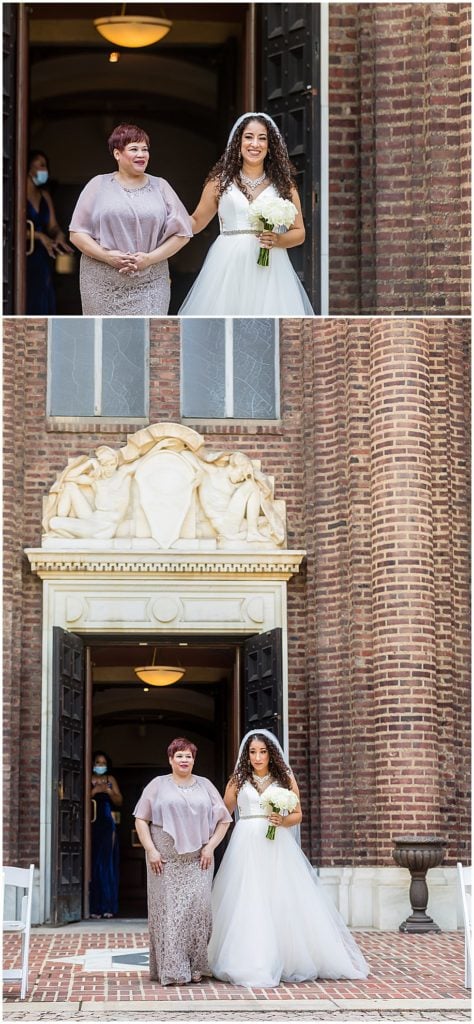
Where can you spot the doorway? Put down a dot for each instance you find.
(234, 701)
(134, 723)
(64, 96)
(92, 598)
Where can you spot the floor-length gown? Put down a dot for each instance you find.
(105, 860)
(231, 283)
(179, 914)
(40, 297)
(272, 920)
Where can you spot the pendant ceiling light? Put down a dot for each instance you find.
(132, 29)
(159, 675)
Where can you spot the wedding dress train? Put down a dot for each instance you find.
(272, 920)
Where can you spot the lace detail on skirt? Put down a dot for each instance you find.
(179, 914)
(105, 292)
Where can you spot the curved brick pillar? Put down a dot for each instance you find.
(405, 729)
(399, 158)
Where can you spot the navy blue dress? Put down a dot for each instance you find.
(40, 297)
(103, 898)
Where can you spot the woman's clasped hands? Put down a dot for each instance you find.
(53, 246)
(129, 263)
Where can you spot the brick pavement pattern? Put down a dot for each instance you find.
(144, 1017)
(402, 967)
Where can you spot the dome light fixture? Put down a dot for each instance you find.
(159, 675)
(132, 30)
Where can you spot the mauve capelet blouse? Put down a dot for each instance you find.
(130, 220)
(189, 814)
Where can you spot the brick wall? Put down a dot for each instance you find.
(371, 457)
(387, 429)
(399, 158)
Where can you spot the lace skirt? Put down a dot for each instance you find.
(179, 914)
(105, 292)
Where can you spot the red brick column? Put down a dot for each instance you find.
(325, 542)
(406, 752)
(450, 424)
(339, 639)
(399, 165)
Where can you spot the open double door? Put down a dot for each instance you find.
(240, 689)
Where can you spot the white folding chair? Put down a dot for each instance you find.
(20, 878)
(465, 885)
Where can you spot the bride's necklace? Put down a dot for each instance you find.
(260, 780)
(252, 182)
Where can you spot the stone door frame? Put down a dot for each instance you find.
(123, 593)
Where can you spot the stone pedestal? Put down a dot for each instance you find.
(418, 854)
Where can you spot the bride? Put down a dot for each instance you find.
(272, 920)
(231, 283)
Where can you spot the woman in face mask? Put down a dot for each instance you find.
(103, 900)
(48, 239)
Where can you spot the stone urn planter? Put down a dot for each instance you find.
(418, 854)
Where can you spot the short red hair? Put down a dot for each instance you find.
(123, 134)
(181, 744)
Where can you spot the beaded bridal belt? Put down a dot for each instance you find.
(245, 817)
(242, 231)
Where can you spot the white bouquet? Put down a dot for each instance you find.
(266, 214)
(277, 799)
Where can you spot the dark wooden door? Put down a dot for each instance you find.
(132, 780)
(67, 775)
(9, 120)
(290, 93)
(263, 684)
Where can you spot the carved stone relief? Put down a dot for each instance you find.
(166, 489)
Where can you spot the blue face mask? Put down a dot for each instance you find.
(40, 177)
(100, 769)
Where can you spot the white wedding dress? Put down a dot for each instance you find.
(231, 283)
(272, 920)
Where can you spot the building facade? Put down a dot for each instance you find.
(373, 100)
(362, 428)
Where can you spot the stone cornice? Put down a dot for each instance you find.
(54, 564)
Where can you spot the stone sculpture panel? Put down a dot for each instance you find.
(166, 489)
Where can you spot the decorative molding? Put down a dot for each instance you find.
(279, 564)
(166, 488)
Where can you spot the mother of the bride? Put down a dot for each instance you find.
(126, 225)
(180, 819)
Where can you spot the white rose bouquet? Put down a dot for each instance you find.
(277, 799)
(268, 214)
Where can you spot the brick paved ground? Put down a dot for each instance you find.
(341, 1016)
(73, 976)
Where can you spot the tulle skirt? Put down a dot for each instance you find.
(232, 284)
(272, 921)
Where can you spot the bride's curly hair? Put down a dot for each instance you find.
(276, 765)
(277, 164)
